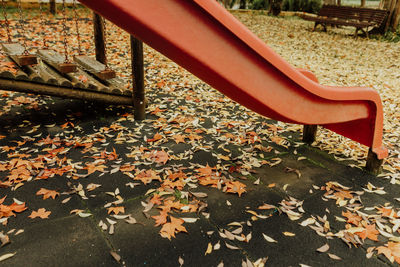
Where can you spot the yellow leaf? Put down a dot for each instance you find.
(289, 234)
(209, 249)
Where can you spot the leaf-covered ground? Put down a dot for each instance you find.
(202, 179)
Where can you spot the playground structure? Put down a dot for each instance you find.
(208, 41)
(51, 73)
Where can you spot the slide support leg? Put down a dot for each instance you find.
(309, 133)
(373, 165)
(139, 101)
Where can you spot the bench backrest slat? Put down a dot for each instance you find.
(361, 14)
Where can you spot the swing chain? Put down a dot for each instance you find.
(77, 27)
(105, 43)
(7, 23)
(42, 22)
(22, 27)
(64, 24)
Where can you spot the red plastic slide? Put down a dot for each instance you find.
(208, 41)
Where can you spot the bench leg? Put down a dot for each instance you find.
(315, 26)
(309, 133)
(356, 33)
(373, 164)
(366, 32)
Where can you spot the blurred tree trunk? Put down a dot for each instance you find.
(384, 4)
(396, 16)
(242, 4)
(53, 8)
(329, 2)
(393, 19)
(363, 3)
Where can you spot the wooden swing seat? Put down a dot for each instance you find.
(16, 52)
(47, 78)
(57, 61)
(94, 67)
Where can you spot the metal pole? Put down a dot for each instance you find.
(99, 38)
(53, 7)
(309, 133)
(139, 101)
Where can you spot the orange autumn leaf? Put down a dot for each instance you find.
(277, 139)
(171, 228)
(369, 232)
(209, 181)
(343, 194)
(157, 110)
(387, 212)
(18, 207)
(170, 204)
(205, 171)
(3, 167)
(65, 125)
(352, 218)
(159, 156)
(266, 207)
(147, 176)
(156, 137)
(127, 168)
(108, 155)
(92, 168)
(2, 199)
(178, 184)
(156, 199)
(235, 187)
(8, 210)
(116, 210)
(194, 137)
(176, 175)
(47, 193)
(41, 213)
(391, 251)
(161, 218)
(179, 138)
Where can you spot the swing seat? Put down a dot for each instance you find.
(95, 67)
(16, 52)
(57, 61)
(44, 79)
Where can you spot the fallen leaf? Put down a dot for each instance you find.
(289, 234)
(41, 213)
(115, 255)
(171, 228)
(47, 193)
(7, 256)
(209, 249)
(266, 207)
(334, 257)
(116, 210)
(369, 232)
(180, 260)
(323, 249)
(269, 239)
(4, 239)
(230, 246)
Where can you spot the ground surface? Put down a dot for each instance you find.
(222, 185)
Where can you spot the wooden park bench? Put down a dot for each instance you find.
(359, 17)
